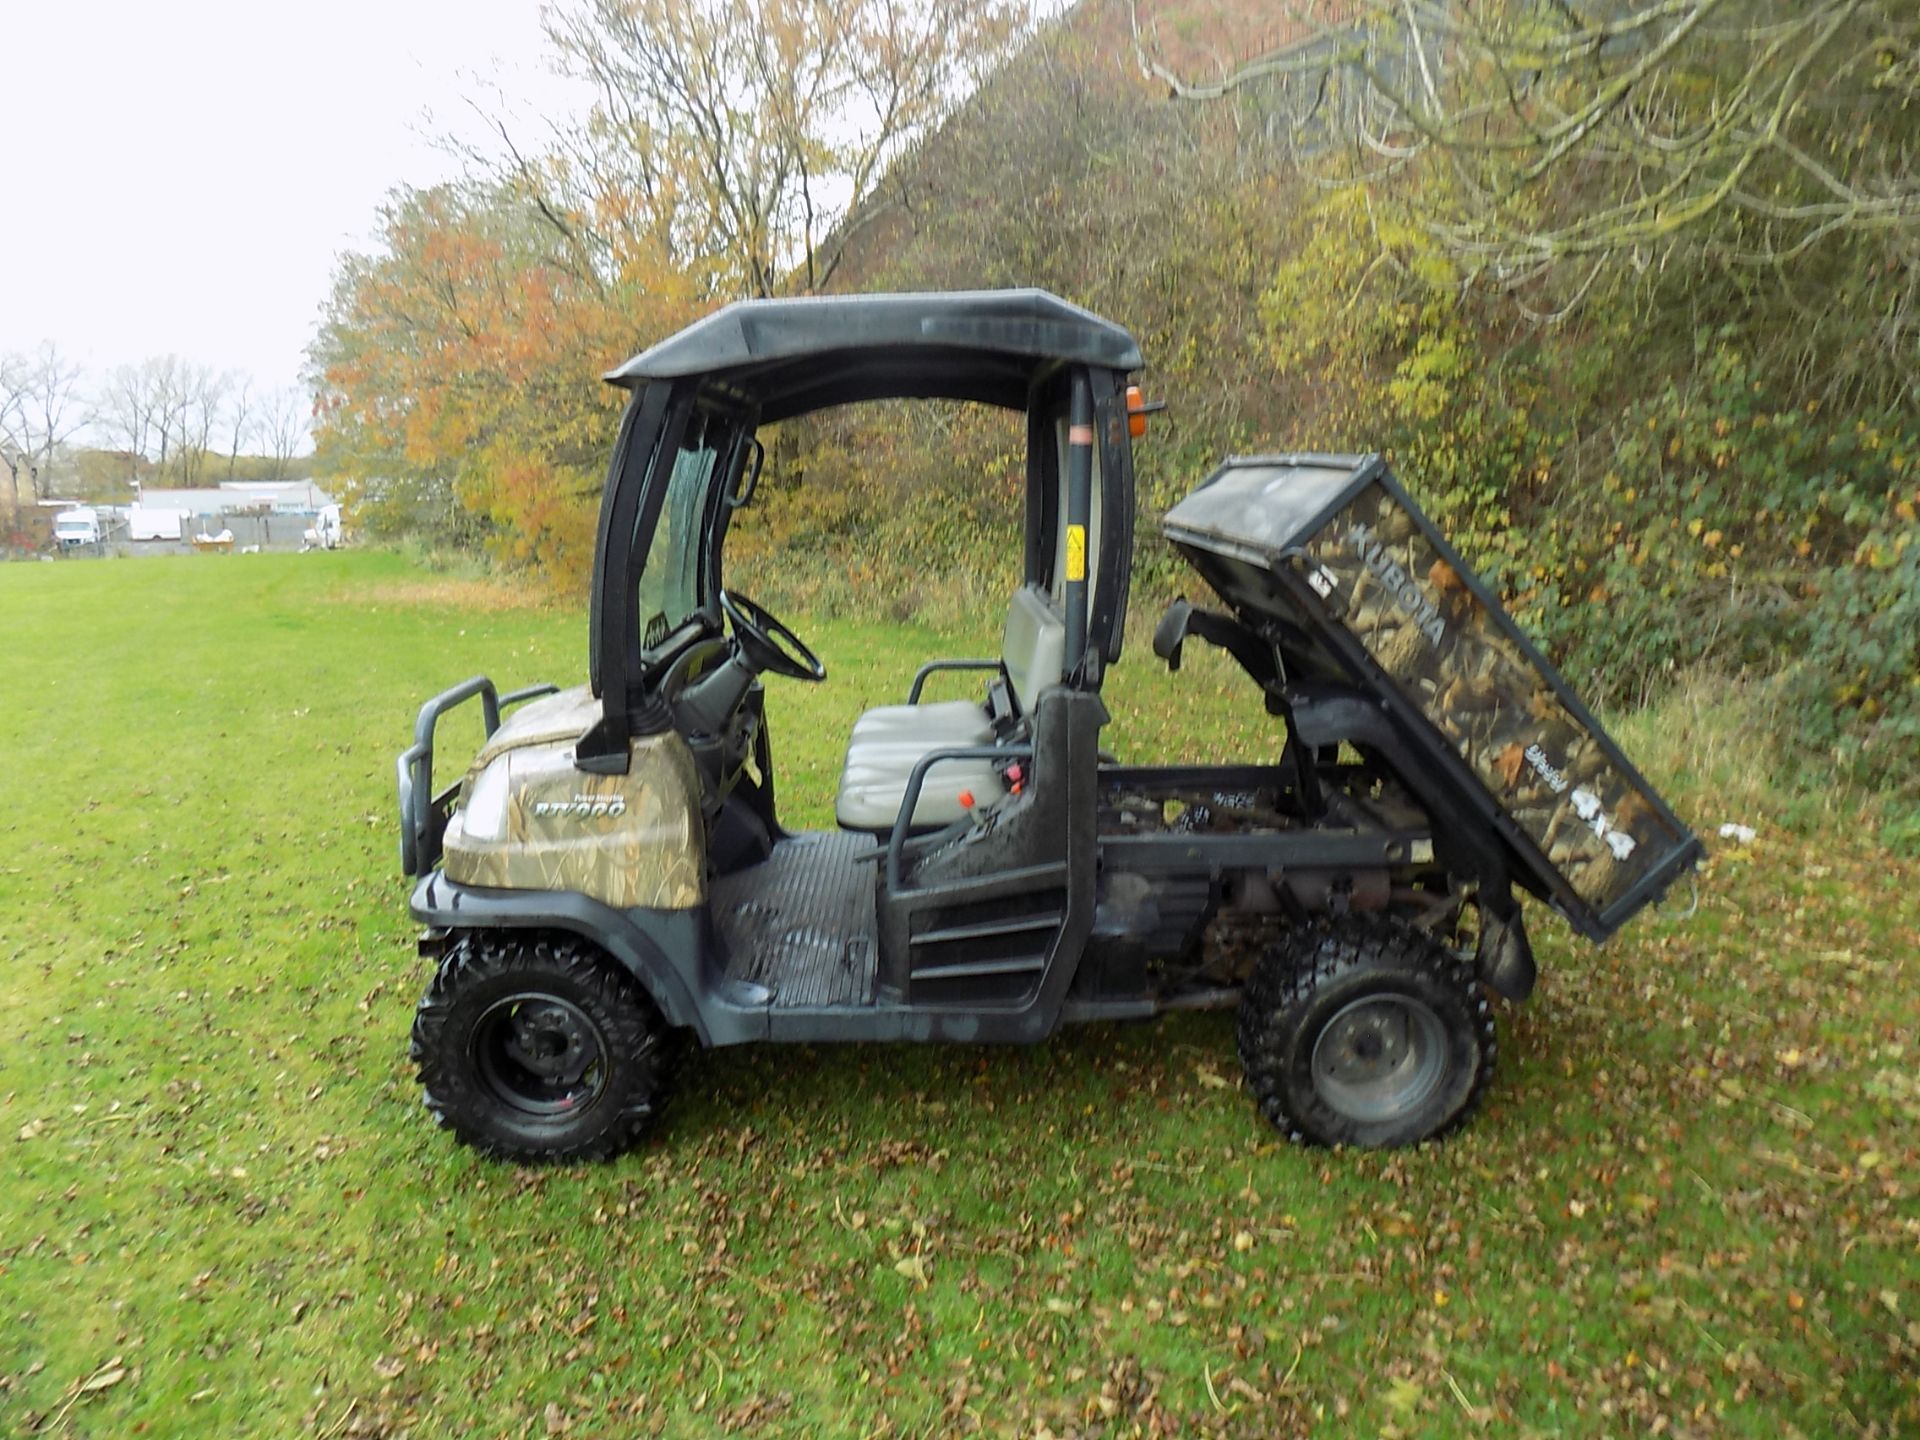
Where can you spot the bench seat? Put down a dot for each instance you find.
(889, 740)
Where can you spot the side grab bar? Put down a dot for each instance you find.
(422, 813)
(934, 666)
(897, 841)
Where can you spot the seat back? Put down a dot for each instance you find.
(1033, 647)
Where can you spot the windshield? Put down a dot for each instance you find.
(669, 584)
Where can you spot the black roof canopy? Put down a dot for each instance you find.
(788, 357)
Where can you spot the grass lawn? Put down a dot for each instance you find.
(1690, 1206)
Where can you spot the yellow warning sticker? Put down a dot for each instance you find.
(1076, 552)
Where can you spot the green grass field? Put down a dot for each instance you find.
(1689, 1206)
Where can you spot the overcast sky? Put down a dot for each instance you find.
(179, 176)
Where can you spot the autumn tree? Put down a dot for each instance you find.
(739, 136)
(726, 146)
(458, 373)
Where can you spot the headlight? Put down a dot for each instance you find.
(485, 813)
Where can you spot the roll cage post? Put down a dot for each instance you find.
(1073, 589)
(629, 507)
(1114, 579)
(1103, 604)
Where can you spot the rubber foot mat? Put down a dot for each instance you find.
(801, 924)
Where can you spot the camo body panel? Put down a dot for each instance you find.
(564, 715)
(629, 840)
(1379, 574)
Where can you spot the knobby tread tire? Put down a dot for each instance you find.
(1304, 977)
(640, 1049)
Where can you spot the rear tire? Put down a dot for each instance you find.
(537, 1047)
(1360, 1031)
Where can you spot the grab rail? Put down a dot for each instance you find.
(897, 840)
(419, 806)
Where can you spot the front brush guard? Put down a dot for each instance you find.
(423, 814)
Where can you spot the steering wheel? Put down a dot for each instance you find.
(767, 643)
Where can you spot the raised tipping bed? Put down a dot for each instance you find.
(1329, 559)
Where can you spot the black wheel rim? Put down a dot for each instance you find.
(1380, 1057)
(540, 1056)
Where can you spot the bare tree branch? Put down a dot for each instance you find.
(1737, 131)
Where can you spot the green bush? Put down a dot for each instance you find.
(1857, 682)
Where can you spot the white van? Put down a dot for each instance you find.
(326, 532)
(76, 527)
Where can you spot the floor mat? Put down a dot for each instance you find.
(801, 924)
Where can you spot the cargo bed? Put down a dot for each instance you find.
(1327, 559)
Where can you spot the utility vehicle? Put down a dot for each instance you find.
(77, 528)
(611, 875)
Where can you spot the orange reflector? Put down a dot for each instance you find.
(1136, 412)
(966, 799)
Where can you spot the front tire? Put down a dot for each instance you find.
(1361, 1031)
(536, 1047)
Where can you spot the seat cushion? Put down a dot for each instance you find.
(949, 722)
(874, 782)
(888, 742)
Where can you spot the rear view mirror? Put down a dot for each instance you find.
(748, 478)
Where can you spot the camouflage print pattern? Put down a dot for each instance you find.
(541, 824)
(564, 716)
(1376, 570)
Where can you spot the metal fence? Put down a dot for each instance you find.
(252, 533)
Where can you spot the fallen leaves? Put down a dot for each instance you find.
(1079, 1236)
(1402, 1397)
(105, 1377)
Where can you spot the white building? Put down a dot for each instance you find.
(281, 497)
